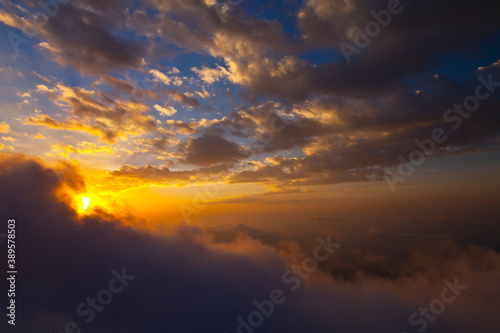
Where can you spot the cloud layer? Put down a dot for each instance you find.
(188, 281)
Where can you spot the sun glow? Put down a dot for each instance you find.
(86, 202)
(89, 203)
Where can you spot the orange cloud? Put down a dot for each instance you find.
(2, 147)
(85, 148)
(4, 128)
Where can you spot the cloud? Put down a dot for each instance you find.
(261, 198)
(78, 36)
(232, 233)
(212, 149)
(339, 139)
(166, 111)
(84, 148)
(40, 136)
(119, 84)
(209, 284)
(4, 128)
(153, 173)
(211, 75)
(73, 125)
(161, 175)
(374, 70)
(184, 99)
(4, 147)
(95, 113)
(161, 77)
(348, 139)
(257, 53)
(181, 126)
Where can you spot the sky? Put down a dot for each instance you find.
(206, 146)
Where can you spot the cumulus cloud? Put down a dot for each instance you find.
(211, 75)
(161, 77)
(166, 111)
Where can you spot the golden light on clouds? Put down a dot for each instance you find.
(4, 128)
(84, 148)
(90, 203)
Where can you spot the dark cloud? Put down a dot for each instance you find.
(346, 140)
(212, 149)
(183, 99)
(232, 233)
(181, 126)
(80, 37)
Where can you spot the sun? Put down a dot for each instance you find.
(89, 203)
(86, 202)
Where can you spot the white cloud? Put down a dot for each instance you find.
(174, 70)
(167, 110)
(177, 81)
(210, 75)
(160, 76)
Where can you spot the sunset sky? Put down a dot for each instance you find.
(206, 145)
